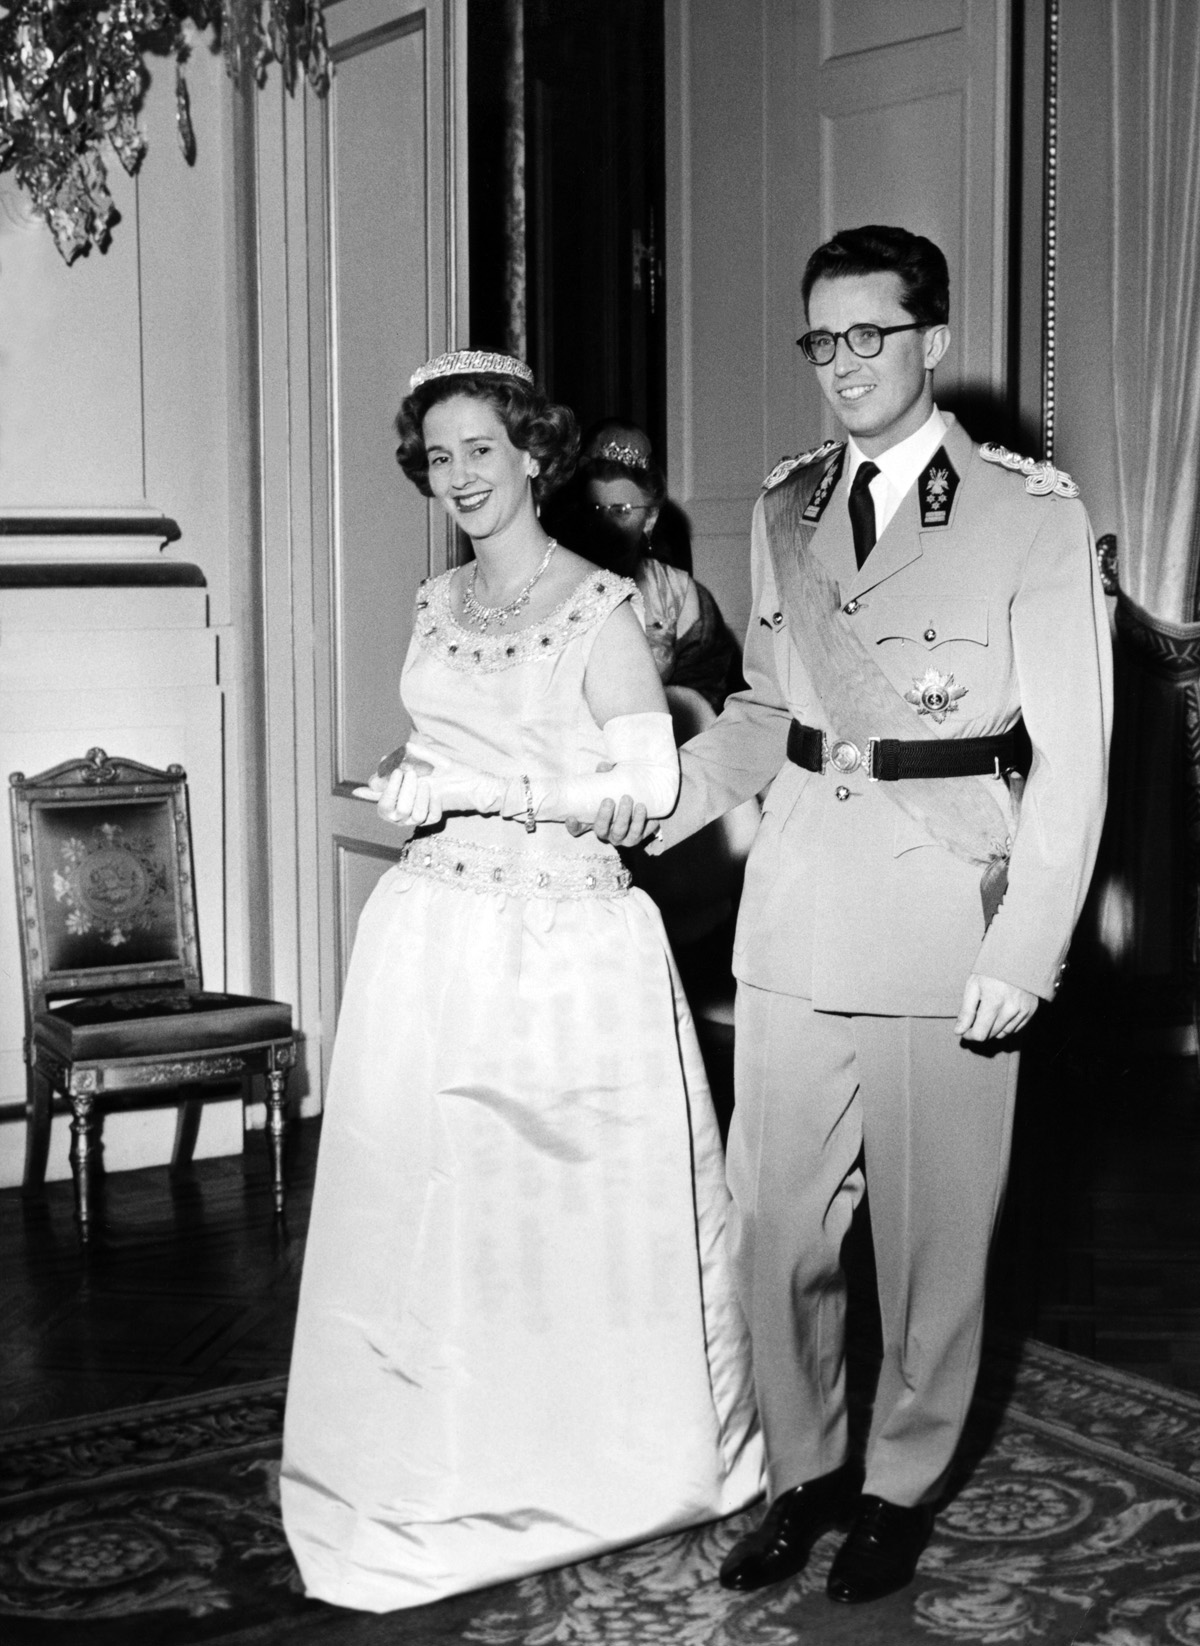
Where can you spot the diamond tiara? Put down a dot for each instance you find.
(469, 361)
(630, 456)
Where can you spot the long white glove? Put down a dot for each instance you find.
(644, 766)
(427, 784)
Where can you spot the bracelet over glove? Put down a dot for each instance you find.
(644, 766)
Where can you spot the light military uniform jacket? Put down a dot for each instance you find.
(988, 593)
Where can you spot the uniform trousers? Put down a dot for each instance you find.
(931, 1118)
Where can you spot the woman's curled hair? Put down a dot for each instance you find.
(547, 432)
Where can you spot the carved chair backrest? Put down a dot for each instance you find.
(106, 897)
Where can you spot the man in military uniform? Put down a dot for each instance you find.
(905, 906)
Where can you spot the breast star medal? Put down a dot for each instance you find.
(935, 694)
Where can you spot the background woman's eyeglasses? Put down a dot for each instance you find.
(619, 511)
(865, 341)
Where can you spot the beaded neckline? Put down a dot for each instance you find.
(439, 631)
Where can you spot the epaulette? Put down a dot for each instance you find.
(786, 464)
(1042, 479)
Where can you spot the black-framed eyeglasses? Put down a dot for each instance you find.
(620, 511)
(863, 340)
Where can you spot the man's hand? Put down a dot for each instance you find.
(620, 823)
(617, 823)
(992, 1010)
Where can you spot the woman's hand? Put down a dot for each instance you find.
(405, 795)
(427, 784)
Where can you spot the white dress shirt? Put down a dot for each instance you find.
(898, 467)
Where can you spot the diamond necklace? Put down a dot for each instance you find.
(482, 616)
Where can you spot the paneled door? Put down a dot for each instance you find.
(386, 206)
(786, 121)
(914, 128)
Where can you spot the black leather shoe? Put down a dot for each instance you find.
(880, 1555)
(779, 1547)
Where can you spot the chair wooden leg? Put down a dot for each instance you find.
(276, 1129)
(187, 1127)
(39, 1105)
(83, 1158)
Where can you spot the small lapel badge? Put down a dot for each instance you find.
(938, 484)
(816, 503)
(935, 694)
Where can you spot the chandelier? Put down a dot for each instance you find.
(73, 74)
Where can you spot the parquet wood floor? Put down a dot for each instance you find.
(194, 1286)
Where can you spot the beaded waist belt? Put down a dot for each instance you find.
(475, 867)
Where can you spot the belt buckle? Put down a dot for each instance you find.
(844, 756)
(873, 760)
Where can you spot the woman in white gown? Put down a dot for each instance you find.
(517, 1342)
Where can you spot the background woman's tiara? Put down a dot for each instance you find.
(613, 452)
(463, 361)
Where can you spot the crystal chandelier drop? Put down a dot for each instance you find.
(73, 74)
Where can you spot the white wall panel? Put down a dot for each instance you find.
(70, 362)
(190, 369)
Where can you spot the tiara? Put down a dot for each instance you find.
(462, 361)
(630, 456)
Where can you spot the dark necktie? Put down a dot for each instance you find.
(862, 511)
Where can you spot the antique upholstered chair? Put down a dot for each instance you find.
(111, 961)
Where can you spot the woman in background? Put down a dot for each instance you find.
(623, 520)
(517, 1343)
(629, 526)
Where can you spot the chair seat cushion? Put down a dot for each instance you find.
(154, 1022)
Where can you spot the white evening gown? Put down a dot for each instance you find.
(518, 1343)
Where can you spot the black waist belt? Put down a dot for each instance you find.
(889, 759)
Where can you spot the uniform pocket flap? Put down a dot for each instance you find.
(933, 622)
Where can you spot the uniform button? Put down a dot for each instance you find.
(850, 607)
(777, 618)
(931, 634)
(842, 792)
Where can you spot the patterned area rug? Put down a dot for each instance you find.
(1076, 1520)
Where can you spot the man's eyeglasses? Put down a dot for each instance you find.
(619, 511)
(865, 341)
